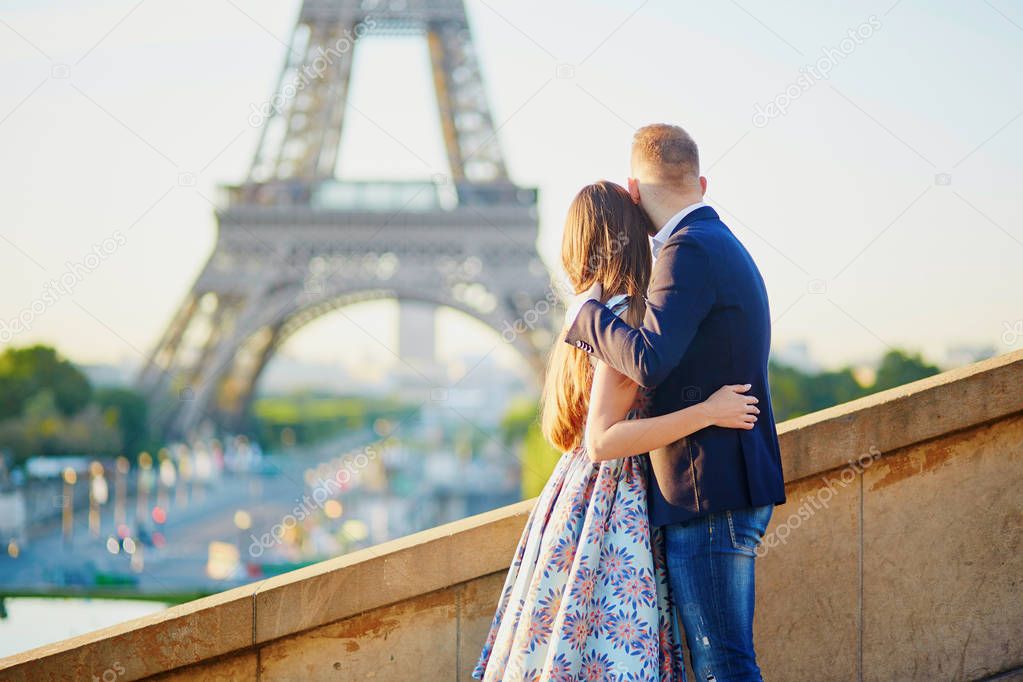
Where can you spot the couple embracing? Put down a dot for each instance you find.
(657, 394)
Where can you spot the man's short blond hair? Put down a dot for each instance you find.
(668, 153)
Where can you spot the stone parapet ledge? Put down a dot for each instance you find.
(903, 416)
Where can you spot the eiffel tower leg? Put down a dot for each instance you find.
(236, 390)
(154, 374)
(221, 381)
(469, 134)
(189, 349)
(188, 339)
(317, 86)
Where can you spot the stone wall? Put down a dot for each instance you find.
(898, 556)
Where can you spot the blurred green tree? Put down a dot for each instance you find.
(520, 428)
(127, 411)
(795, 393)
(898, 368)
(24, 372)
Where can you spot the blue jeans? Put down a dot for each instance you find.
(711, 570)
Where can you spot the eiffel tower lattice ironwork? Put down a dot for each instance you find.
(295, 243)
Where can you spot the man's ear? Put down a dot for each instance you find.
(634, 190)
(703, 185)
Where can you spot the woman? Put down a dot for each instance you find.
(586, 596)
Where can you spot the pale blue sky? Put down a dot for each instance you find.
(841, 188)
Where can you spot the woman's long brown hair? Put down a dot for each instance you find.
(605, 241)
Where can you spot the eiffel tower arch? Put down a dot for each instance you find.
(295, 243)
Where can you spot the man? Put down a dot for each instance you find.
(707, 324)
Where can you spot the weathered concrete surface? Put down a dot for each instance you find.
(897, 556)
(479, 599)
(943, 558)
(431, 637)
(243, 666)
(800, 628)
(416, 639)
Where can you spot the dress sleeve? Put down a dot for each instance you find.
(618, 304)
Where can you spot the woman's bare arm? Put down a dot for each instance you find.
(609, 435)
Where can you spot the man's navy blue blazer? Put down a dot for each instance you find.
(707, 324)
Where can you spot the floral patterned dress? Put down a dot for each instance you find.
(586, 597)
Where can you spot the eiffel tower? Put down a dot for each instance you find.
(295, 243)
